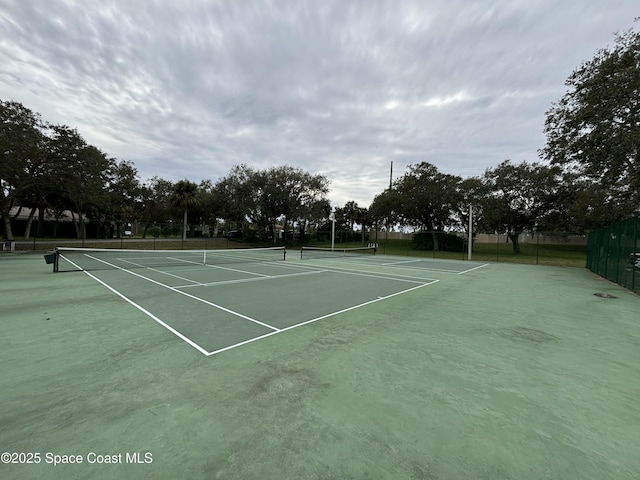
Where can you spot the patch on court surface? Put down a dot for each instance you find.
(216, 301)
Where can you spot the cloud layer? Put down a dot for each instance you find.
(341, 88)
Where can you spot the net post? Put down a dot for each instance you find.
(56, 256)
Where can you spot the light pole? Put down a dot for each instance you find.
(333, 230)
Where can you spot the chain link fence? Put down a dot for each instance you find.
(613, 252)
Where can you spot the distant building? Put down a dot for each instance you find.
(56, 223)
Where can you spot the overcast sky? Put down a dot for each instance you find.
(188, 89)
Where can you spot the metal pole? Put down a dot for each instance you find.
(333, 231)
(470, 241)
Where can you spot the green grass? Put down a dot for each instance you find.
(557, 255)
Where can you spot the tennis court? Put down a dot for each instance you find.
(218, 300)
(366, 366)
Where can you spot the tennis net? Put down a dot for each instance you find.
(321, 252)
(70, 259)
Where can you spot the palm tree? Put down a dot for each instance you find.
(350, 213)
(184, 196)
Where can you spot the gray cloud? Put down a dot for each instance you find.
(341, 88)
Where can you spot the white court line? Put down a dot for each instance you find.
(200, 264)
(220, 307)
(413, 260)
(236, 345)
(160, 271)
(440, 270)
(246, 280)
(403, 261)
(220, 267)
(307, 322)
(384, 276)
(372, 275)
(431, 269)
(143, 310)
(375, 275)
(274, 329)
(474, 268)
(238, 270)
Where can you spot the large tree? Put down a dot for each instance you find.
(287, 192)
(21, 155)
(123, 202)
(237, 195)
(593, 131)
(51, 167)
(519, 197)
(469, 192)
(82, 174)
(154, 196)
(383, 211)
(184, 196)
(426, 197)
(266, 197)
(209, 206)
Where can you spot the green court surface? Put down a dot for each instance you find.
(372, 367)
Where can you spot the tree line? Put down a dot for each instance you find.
(52, 168)
(588, 176)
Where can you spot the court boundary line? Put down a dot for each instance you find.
(173, 289)
(194, 264)
(383, 275)
(248, 280)
(394, 264)
(423, 283)
(474, 268)
(143, 310)
(164, 273)
(417, 260)
(322, 317)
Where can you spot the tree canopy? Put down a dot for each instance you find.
(184, 195)
(519, 198)
(279, 194)
(593, 132)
